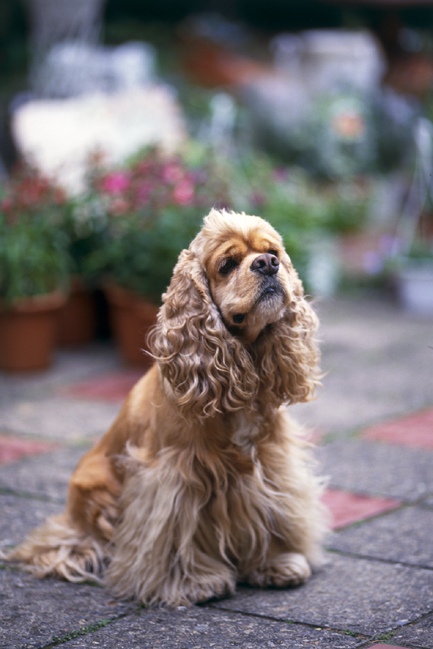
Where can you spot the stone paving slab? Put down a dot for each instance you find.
(359, 595)
(33, 611)
(403, 536)
(201, 628)
(378, 469)
(61, 419)
(20, 515)
(69, 366)
(368, 350)
(44, 475)
(416, 635)
(112, 386)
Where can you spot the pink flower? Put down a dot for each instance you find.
(172, 172)
(143, 193)
(115, 183)
(183, 193)
(280, 175)
(258, 198)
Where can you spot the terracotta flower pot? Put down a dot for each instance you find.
(131, 318)
(77, 318)
(28, 332)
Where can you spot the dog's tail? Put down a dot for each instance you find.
(59, 548)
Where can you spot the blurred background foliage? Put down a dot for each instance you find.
(312, 182)
(155, 21)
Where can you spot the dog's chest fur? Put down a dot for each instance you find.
(246, 430)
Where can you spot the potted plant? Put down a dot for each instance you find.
(84, 224)
(411, 257)
(413, 275)
(310, 216)
(33, 271)
(154, 206)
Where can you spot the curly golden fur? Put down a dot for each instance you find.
(203, 480)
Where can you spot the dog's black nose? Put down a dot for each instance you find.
(266, 264)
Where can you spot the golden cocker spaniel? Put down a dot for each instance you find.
(203, 479)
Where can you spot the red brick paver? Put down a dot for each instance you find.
(109, 387)
(347, 507)
(415, 430)
(14, 448)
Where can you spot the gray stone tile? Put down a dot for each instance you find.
(20, 515)
(200, 628)
(359, 595)
(68, 366)
(379, 469)
(403, 535)
(45, 475)
(33, 611)
(419, 634)
(67, 420)
(369, 348)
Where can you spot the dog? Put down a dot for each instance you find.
(204, 480)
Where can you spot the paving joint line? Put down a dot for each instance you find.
(87, 630)
(413, 623)
(316, 627)
(363, 557)
(9, 566)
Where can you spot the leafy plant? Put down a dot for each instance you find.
(301, 210)
(154, 206)
(33, 245)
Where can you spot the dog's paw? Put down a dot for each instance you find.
(202, 588)
(290, 569)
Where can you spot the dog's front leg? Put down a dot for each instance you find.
(164, 550)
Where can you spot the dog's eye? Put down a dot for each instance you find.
(227, 266)
(273, 252)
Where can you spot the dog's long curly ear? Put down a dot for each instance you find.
(287, 354)
(208, 369)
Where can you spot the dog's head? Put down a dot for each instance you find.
(235, 328)
(250, 275)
